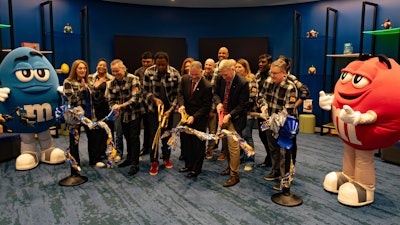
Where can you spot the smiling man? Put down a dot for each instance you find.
(278, 93)
(160, 87)
(125, 96)
(194, 98)
(231, 96)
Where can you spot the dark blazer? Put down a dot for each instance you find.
(197, 105)
(237, 101)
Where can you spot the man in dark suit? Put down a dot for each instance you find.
(194, 98)
(232, 96)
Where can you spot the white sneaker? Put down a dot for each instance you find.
(100, 164)
(117, 159)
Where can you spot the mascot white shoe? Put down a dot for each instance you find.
(355, 194)
(29, 157)
(52, 156)
(365, 107)
(334, 180)
(26, 161)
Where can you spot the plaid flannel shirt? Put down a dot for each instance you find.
(278, 96)
(152, 84)
(261, 77)
(253, 87)
(74, 92)
(94, 94)
(129, 94)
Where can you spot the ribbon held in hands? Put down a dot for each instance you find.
(173, 141)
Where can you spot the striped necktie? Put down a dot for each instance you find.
(226, 96)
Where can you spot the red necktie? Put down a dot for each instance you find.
(226, 97)
(192, 88)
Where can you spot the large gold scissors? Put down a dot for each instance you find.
(162, 123)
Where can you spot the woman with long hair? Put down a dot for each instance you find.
(243, 69)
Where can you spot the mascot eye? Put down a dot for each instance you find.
(360, 81)
(42, 74)
(25, 75)
(345, 77)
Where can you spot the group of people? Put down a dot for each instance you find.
(223, 94)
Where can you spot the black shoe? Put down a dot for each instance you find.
(192, 174)
(125, 163)
(133, 170)
(265, 164)
(225, 172)
(232, 181)
(144, 151)
(271, 176)
(277, 187)
(183, 170)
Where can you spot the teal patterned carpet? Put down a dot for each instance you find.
(111, 197)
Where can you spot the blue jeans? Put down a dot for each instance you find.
(247, 135)
(119, 138)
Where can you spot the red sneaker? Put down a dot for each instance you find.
(168, 164)
(154, 168)
(221, 157)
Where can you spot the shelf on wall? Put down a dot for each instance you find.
(352, 55)
(314, 38)
(4, 25)
(64, 35)
(43, 52)
(384, 32)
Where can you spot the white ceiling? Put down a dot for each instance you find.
(212, 3)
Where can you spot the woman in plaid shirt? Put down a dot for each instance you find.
(243, 69)
(76, 89)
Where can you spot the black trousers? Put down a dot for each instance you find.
(264, 140)
(278, 155)
(131, 132)
(97, 144)
(153, 125)
(147, 141)
(74, 143)
(193, 149)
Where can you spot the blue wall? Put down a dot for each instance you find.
(108, 19)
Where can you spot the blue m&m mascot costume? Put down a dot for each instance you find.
(29, 82)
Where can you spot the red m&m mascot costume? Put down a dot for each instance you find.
(365, 111)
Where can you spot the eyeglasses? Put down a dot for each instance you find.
(275, 73)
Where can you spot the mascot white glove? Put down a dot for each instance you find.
(264, 109)
(60, 89)
(4, 94)
(348, 115)
(325, 101)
